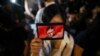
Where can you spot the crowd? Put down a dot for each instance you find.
(18, 32)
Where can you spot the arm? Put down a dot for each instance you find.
(78, 50)
(27, 10)
(35, 46)
(26, 48)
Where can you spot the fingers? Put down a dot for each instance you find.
(36, 42)
(36, 45)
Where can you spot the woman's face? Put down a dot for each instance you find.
(72, 17)
(56, 19)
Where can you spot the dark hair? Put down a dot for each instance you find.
(50, 12)
(42, 4)
(3, 2)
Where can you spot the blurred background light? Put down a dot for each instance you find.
(13, 1)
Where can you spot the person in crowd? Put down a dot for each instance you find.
(52, 47)
(87, 41)
(72, 19)
(27, 10)
(14, 33)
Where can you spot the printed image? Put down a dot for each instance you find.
(50, 31)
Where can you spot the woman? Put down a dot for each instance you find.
(62, 47)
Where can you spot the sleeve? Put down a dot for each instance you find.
(81, 39)
(37, 20)
(39, 16)
(69, 46)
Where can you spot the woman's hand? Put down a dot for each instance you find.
(36, 45)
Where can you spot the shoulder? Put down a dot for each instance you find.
(39, 15)
(68, 38)
(67, 35)
(40, 10)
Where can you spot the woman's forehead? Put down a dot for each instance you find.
(56, 19)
